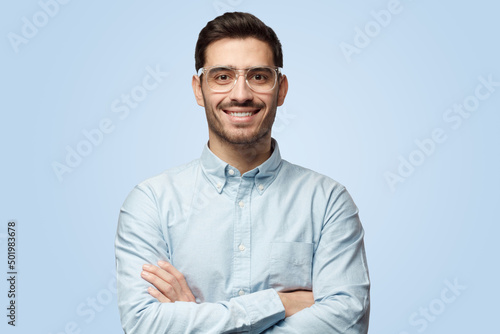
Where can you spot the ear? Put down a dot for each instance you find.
(198, 94)
(283, 89)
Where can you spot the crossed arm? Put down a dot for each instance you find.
(339, 280)
(171, 286)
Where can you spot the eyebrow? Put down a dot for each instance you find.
(218, 69)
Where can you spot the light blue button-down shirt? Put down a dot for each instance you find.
(238, 239)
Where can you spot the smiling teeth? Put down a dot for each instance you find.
(241, 114)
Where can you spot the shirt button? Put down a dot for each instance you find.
(241, 204)
(241, 247)
(219, 185)
(231, 172)
(261, 187)
(241, 292)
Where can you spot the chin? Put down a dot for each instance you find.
(245, 139)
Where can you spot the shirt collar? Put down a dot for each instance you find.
(217, 171)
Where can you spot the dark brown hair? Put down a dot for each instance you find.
(236, 25)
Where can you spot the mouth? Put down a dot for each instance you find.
(241, 113)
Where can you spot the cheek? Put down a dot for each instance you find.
(271, 102)
(214, 101)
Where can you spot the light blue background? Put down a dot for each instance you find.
(349, 120)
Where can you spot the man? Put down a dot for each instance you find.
(241, 240)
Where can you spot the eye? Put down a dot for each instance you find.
(222, 77)
(259, 77)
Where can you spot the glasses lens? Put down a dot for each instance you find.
(261, 79)
(221, 79)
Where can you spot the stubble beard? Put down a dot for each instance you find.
(242, 139)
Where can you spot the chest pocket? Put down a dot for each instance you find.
(291, 265)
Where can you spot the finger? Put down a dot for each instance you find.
(158, 295)
(168, 267)
(164, 287)
(164, 275)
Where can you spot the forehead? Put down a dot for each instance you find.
(239, 53)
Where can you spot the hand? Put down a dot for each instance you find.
(296, 301)
(170, 284)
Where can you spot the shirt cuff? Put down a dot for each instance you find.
(264, 309)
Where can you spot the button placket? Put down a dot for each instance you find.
(242, 232)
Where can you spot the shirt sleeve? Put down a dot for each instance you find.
(140, 240)
(341, 284)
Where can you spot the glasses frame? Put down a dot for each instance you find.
(204, 70)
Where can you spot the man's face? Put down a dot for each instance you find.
(220, 108)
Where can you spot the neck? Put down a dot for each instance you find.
(244, 157)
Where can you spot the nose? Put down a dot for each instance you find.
(241, 92)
